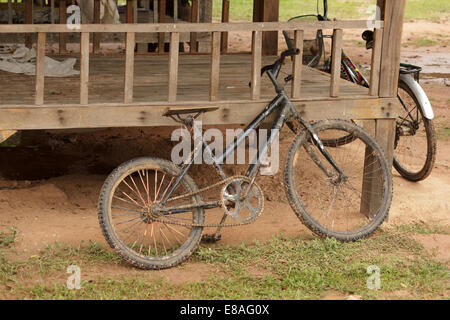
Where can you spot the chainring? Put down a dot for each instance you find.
(240, 202)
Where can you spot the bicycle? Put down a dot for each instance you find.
(415, 139)
(153, 214)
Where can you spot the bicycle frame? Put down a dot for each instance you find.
(282, 103)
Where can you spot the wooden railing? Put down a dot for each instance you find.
(215, 29)
(157, 15)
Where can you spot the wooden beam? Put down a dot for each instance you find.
(297, 64)
(96, 35)
(173, 66)
(129, 67)
(150, 114)
(84, 68)
(376, 63)
(187, 27)
(256, 65)
(63, 22)
(225, 19)
(40, 68)
(336, 62)
(394, 11)
(215, 66)
(194, 19)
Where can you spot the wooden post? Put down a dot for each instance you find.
(130, 13)
(390, 52)
(393, 14)
(215, 66)
(376, 63)
(62, 20)
(225, 19)
(129, 67)
(52, 11)
(384, 129)
(84, 68)
(162, 19)
(135, 11)
(173, 66)
(194, 19)
(175, 11)
(28, 20)
(96, 35)
(155, 11)
(267, 11)
(256, 65)
(40, 68)
(297, 64)
(10, 17)
(336, 62)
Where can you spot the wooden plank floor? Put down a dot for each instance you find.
(151, 77)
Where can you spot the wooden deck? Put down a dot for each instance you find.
(106, 82)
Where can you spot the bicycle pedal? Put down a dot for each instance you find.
(211, 238)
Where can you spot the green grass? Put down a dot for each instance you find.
(421, 42)
(282, 268)
(422, 228)
(241, 10)
(7, 238)
(433, 10)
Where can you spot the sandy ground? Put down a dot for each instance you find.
(49, 187)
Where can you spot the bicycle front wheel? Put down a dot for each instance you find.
(346, 209)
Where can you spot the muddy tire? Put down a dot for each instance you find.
(156, 254)
(314, 196)
(422, 170)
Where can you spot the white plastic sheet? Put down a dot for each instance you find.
(23, 60)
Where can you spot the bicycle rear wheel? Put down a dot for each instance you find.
(415, 143)
(127, 218)
(347, 209)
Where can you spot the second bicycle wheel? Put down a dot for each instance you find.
(346, 209)
(415, 141)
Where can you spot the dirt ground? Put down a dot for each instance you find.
(50, 185)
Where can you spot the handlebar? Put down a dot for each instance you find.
(276, 66)
(273, 70)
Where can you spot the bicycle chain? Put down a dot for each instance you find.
(212, 225)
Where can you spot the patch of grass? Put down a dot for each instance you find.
(105, 289)
(7, 238)
(422, 42)
(287, 269)
(432, 10)
(443, 133)
(422, 228)
(299, 269)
